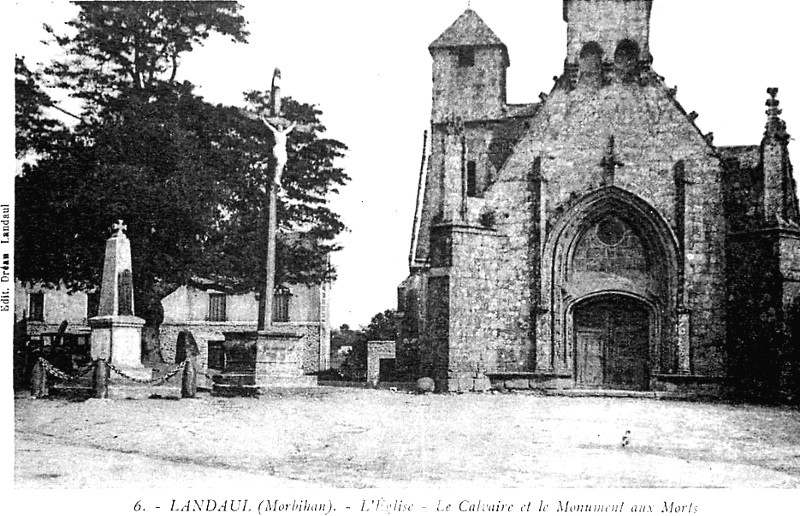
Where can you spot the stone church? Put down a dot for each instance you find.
(596, 239)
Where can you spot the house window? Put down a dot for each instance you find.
(466, 57)
(216, 355)
(92, 304)
(36, 306)
(472, 180)
(280, 305)
(216, 307)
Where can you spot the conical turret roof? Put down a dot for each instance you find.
(469, 30)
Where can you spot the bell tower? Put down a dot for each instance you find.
(469, 71)
(611, 37)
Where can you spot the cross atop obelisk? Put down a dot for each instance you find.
(118, 227)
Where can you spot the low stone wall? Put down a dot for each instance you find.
(377, 350)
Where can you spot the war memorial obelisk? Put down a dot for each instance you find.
(116, 331)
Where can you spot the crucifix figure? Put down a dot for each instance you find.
(610, 163)
(279, 150)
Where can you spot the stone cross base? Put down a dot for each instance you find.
(256, 361)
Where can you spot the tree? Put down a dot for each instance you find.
(182, 173)
(136, 45)
(382, 326)
(354, 367)
(34, 130)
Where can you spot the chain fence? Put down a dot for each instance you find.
(152, 381)
(51, 369)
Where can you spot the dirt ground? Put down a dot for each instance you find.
(348, 437)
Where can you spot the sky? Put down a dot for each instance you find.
(365, 64)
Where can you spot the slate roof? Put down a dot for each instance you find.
(469, 30)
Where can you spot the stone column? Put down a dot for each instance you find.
(116, 332)
(684, 341)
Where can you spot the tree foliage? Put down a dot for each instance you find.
(382, 326)
(136, 45)
(34, 129)
(186, 176)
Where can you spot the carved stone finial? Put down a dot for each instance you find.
(275, 93)
(276, 78)
(118, 227)
(610, 162)
(776, 127)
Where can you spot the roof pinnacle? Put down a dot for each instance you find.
(776, 127)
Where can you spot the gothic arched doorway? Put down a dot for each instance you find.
(610, 257)
(612, 343)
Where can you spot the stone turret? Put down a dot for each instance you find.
(469, 71)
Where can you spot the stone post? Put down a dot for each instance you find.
(189, 379)
(187, 350)
(39, 380)
(101, 373)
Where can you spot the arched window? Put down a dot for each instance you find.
(590, 64)
(626, 59)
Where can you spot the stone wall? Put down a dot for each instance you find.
(378, 350)
(471, 93)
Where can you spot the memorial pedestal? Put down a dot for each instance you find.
(118, 340)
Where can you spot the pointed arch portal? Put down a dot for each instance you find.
(610, 288)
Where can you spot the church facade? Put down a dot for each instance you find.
(596, 239)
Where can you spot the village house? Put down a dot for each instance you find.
(203, 308)
(596, 239)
